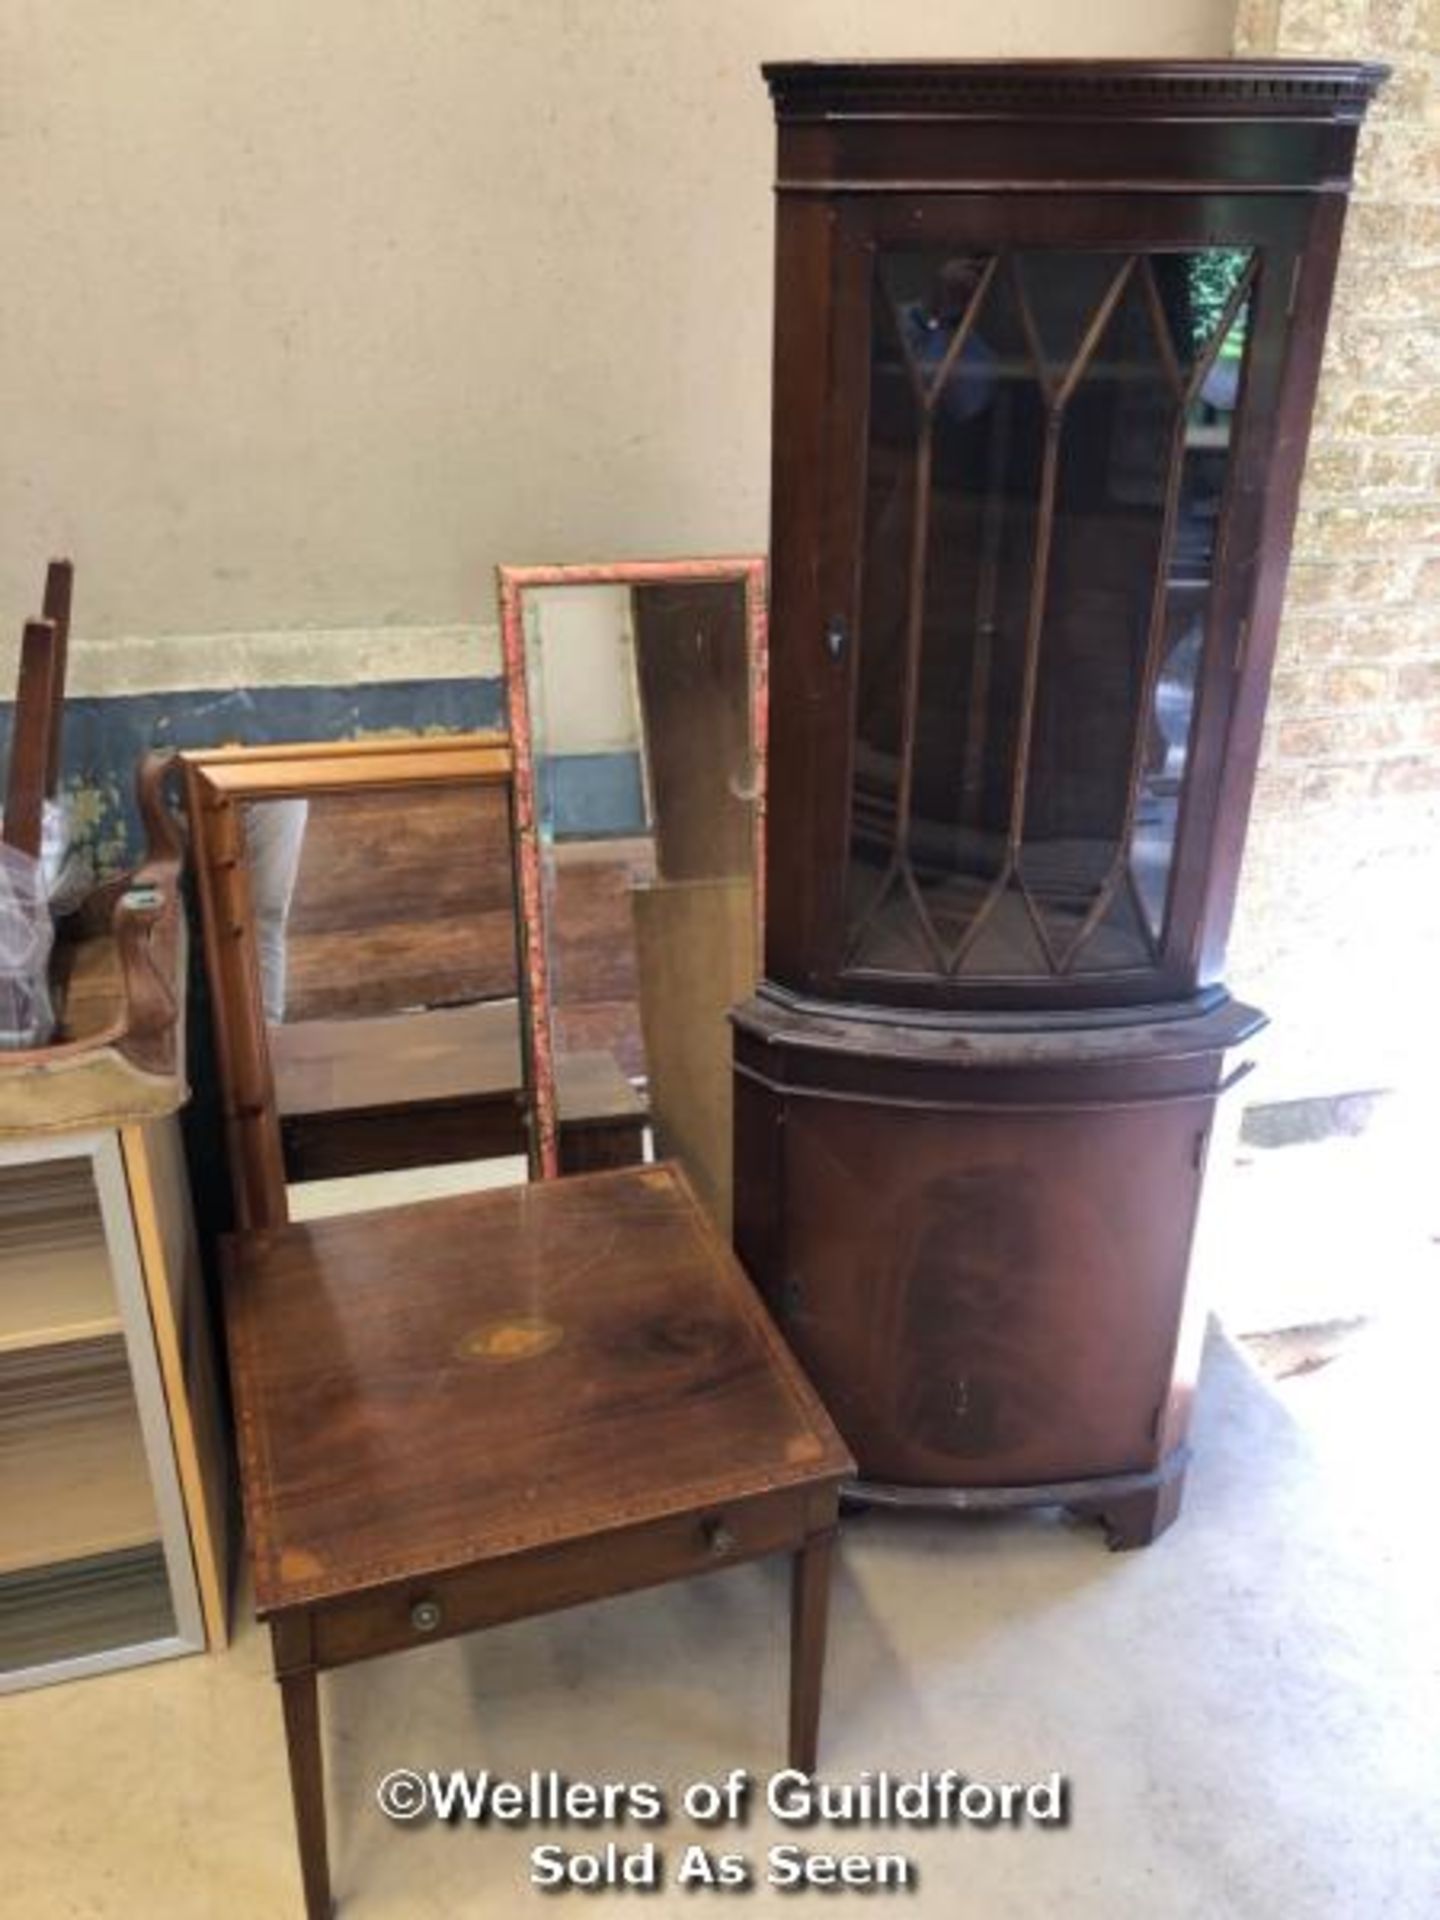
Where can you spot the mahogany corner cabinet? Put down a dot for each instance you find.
(1047, 340)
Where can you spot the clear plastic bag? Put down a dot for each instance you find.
(26, 936)
(69, 872)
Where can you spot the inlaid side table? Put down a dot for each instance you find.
(475, 1409)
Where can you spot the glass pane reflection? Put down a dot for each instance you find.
(1209, 426)
(1021, 741)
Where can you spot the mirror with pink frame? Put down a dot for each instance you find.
(636, 712)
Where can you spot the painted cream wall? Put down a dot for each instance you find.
(312, 312)
(581, 679)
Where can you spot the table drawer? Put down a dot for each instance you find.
(417, 1611)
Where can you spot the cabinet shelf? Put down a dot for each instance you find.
(55, 1281)
(74, 1482)
(59, 1293)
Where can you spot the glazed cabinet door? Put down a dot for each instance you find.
(1035, 518)
(987, 1299)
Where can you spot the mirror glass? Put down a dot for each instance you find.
(637, 690)
(385, 942)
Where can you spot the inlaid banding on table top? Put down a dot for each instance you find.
(289, 1575)
(468, 1379)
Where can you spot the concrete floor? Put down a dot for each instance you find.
(1327, 1230)
(1247, 1713)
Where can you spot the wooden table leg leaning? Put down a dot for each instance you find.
(300, 1701)
(809, 1614)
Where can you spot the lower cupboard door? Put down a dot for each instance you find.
(989, 1299)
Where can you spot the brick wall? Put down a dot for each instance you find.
(1338, 929)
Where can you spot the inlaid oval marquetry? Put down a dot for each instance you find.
(516, 1337)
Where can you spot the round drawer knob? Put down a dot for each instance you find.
(719, 1538)
(425, 1616)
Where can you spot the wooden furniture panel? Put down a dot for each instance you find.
(32, 775)
(595, 984)
(602, 1118)
(184, 1344)
(962, 1284)
(402, 899)
(38, 695)
(437, 1133)
(696, 942)
(367, 1095)
(692, 661)
(444, 1053)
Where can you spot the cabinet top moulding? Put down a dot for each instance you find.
(1177, 126)
(1040, 89)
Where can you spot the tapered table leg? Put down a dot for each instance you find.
(299, 1696)
(809, 1612)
